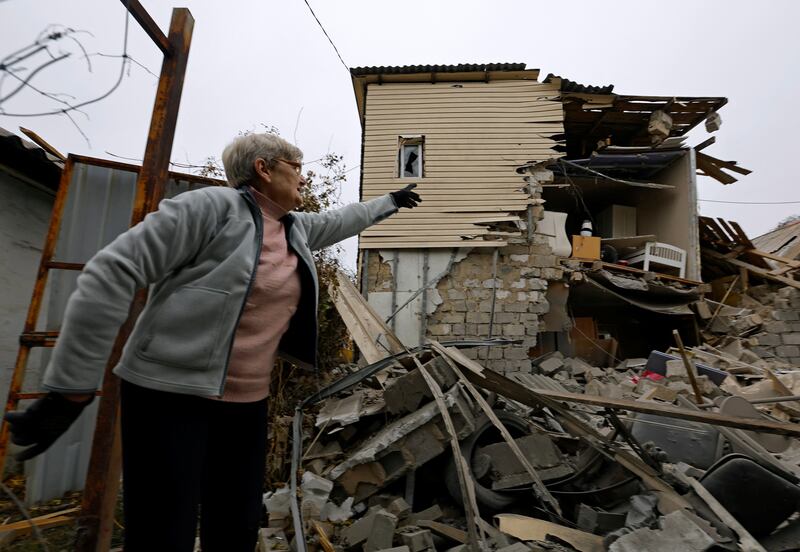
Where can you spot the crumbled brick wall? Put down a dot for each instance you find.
(523, 270)
(519, 287)
(779, 337)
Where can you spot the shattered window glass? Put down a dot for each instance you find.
(410, 157)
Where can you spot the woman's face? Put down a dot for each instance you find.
(281, 183)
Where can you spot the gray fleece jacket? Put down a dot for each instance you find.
(199, 252)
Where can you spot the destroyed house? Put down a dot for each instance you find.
(511, 170)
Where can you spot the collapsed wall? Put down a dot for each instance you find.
(472, 292)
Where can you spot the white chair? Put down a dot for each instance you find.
(659, 253)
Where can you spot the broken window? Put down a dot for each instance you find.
(410, 156)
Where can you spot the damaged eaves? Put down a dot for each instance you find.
(21, 157)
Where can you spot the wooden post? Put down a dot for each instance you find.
(698, 396)
(102, 482)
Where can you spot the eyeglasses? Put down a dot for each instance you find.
(298, 167)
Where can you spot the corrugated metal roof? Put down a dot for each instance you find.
(781, 241)
(578, 88)
(29, 159)
(8, 137)
(411, 69)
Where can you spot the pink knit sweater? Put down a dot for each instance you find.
(273, 300)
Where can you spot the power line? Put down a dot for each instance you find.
(751, 202)
(326, 35)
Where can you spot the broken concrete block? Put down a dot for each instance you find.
(278, 502)
(677, 532)
(375, 531)
(676, 369)
(680, 387)
(317, 466)
(369, 474)
(399, 507)
(659, 125)
(315, 490)
(396, 549)
(598, 521)
(508, 471)
(382, 532)
(343, 411)
(594, 373)
(733, 349)
(428, 514)
(551, 365)
(406, 393)
(658, 391)
(600, 389)
(577, 366)
(416, 539)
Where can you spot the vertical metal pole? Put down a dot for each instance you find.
(423, 316)
(530, 210)
(395, 265)
(494, 298)
(365, 273)
(102, 483)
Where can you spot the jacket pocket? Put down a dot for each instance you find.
(186, 329)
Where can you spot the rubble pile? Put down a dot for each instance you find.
(379, 469)
(765, 325)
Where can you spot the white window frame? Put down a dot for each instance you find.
(417, 141)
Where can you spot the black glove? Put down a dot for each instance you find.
(43, 422)
(406, 198)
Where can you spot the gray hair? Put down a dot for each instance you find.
(239, 156)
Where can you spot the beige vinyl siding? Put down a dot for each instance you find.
(476, 135)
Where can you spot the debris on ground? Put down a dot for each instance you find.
(690, 448)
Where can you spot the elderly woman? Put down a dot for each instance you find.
(233, 285)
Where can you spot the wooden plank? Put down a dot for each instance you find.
(531, 140)
(497, 100)
(709, 169)
(407, 90)
(462, 119)
(792, 263)
(488, 179)
(405, 243)
(430, 232)
(149, 26)
(713, 418)
(515, 83)
(444, 530)
(488, 126)
(417, 109)
(368, 319)
(533, 529)
(465, 481)
(741, 234)
(511, 120)
(763, 273)
(448, 164)
(42, 143)
(458, 94)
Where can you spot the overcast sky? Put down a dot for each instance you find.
(262, 62)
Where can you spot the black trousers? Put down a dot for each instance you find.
(183, 454)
